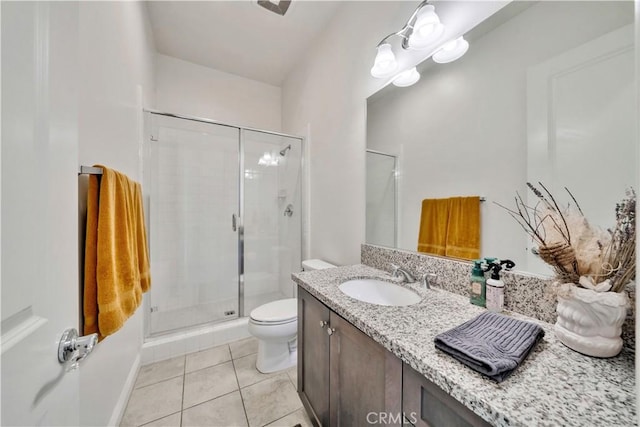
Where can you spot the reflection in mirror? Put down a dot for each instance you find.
(381, 199)
(545, 93)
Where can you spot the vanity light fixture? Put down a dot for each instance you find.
(427, 29)
(407, 78)
(451, 51)
(385, 64)
(422, 32)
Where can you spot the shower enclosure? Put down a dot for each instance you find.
(223, 207)
(382, 199)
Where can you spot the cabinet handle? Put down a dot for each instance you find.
(330, 331)
(323, 323)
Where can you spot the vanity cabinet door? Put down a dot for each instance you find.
(366, 379)
(313, 357)
(426, 405)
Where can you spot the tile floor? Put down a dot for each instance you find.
(216, 387)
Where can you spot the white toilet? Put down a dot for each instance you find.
(275, 325)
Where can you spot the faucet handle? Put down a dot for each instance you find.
(394, 268)
(429, 279)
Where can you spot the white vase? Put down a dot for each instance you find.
(590, 322)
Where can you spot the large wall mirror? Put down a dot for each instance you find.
(545, 93)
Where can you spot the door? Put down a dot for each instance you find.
(313, 356)
(572, 121)
(365, 379)
(191, 176)
(272, 216)
(39, 211)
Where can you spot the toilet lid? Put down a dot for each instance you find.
(276, 311)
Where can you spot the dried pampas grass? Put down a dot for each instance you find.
(573, 247)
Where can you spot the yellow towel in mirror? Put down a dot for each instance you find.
(450, 227)
(463, 231)
(116, 256)
(434, 218)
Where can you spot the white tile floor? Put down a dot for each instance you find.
(216, 387)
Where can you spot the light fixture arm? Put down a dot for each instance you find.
(422, 33)
(407, 30)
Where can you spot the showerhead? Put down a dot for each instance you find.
(284, 150)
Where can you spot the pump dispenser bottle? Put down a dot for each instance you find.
(478, 284)
(495, 286)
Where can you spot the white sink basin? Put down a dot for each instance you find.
(379, 292)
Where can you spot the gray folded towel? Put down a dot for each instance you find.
(492, 344)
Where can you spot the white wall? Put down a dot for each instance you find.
(116, 56)
(194, 90)
(324, 99)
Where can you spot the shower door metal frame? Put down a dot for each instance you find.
(241, 193)
(241, 229)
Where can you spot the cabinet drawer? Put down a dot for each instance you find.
(426, 405)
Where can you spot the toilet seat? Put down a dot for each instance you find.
(276, 312)
(284, 322)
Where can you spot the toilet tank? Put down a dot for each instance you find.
(315, 264)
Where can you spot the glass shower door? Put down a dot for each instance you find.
(191, 175)
(272, 216)
(381, 195)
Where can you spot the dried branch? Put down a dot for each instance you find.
(589, 253)
(568, 236)
(574, 201)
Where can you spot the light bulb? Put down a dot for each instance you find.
(451, 51)
(427, 29)
(407, 78)
(385, 64)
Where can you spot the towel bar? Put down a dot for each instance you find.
(89, 170)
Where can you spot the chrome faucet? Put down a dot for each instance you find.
(428, 278)
(397, 271)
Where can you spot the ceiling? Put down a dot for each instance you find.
(238, 36)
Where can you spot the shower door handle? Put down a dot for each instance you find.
(234, 221)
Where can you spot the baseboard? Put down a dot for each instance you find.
(121, 405)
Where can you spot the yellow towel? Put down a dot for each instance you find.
(463, 231)
(432, 238)
(116, 255)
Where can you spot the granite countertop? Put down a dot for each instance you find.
(555, 386)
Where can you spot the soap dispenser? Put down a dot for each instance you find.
(478, 284)
(495, 286)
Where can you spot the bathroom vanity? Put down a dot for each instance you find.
(343, 375)
(361, 363)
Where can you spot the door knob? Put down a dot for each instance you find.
(323, 323)
(75, 348)
(330, 331)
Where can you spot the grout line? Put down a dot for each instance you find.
(295, 386)
(245, 355)
(270, 377)
(215, 398)
(284, 416)
(165, 416)
(184, 380)
(246, 416)
(158, 382)
(206, 367)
